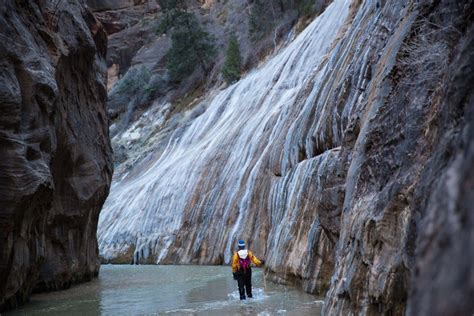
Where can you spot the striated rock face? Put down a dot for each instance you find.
(137, 53)
(56, 163)
(406, 199)
(346, 160)
(177, 206)
(442, 277)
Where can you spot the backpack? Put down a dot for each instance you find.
(244, 263)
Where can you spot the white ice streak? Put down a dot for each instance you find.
(223, 151)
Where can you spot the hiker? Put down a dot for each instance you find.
(242, 271)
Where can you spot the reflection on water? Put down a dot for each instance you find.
(171, 290)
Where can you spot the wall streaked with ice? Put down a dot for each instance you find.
(341, 160)
(215, 180)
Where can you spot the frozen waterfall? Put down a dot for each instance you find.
(235, 170)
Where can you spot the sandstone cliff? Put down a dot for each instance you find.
(346, 159)
(55, 167)
(137, 53)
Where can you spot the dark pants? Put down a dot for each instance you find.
(244, 280)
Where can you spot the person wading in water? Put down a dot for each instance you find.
(242, 271)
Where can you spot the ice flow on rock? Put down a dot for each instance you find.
(239, 169)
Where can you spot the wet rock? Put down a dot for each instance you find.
(344, 161)
(442, 275)
(56, 163)
(231, 186)
(389, 258)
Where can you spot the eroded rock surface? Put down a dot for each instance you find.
(137, 52)
(402, 201)
(55, 167)
(346, 160)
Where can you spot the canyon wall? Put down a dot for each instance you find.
(137, 61)
(345, 160)
(405, 212)
(56, 158)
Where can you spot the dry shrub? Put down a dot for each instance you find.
(425, 56)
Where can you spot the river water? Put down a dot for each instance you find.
(171, 290)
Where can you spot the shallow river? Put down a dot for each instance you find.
(171, 290)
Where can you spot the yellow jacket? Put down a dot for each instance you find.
(235, 261)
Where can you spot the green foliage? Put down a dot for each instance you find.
(164, 25)
(231, 68)
(153, 87)
(133, 81)
(138, 82)
(173, 15)
(261, 21)
(305, 7)
(167, 5)
(191, 45)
